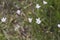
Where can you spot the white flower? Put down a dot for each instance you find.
(3, 19)
(44, 2)
(17, 27)
(59, 25)
(18, 12)
(30, 20)
(38, 6)
(38, 21)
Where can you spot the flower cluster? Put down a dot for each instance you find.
(38, 6)
(38, 21)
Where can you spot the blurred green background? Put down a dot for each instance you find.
(49, 14)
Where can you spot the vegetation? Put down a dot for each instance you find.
(48, 13)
